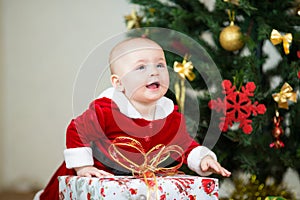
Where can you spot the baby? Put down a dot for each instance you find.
(134, 107)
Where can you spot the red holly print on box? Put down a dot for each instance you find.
(61, 195)
(208, 185)
(124, 188)
(67, 180)
(216, 194)
(133, 191)
(179, 187)
(183, 184)
(102, 192)
(88, 196)
(163, 197)
(160, 188)
(192, 197)
(237, 106)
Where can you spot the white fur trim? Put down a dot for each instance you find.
(37, 195)
(78, 157)
(195, 157)
(164, 106)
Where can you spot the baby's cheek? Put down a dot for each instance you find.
(165, 83)
(132, 84)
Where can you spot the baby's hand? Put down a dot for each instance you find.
(210, 164)
(89, 171)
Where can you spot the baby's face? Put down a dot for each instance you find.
(144, 75)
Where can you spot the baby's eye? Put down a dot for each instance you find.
(141, 67)
(160, 65)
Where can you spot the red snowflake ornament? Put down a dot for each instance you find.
(237, 106)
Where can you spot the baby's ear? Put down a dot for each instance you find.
(116, 82)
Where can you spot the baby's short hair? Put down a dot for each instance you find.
(130, 45)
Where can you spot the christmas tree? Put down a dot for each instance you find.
(260, 125)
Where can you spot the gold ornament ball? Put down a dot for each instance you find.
(231, 38)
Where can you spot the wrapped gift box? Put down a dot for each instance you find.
(126, 187)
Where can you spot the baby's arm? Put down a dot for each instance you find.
(80, 132)
(204, 162)
(209, 164)
(89, 171)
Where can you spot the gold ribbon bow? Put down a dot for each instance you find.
(133, 20)
(152, 159)
(184, 69)
(277, 38)
(286, 93)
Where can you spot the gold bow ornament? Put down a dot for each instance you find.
(133, 20)
(184, 69)
(236, 2)
(274, 198)
(150, 165)
(286, 39)
(286, 94)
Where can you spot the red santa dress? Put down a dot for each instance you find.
(89, 136)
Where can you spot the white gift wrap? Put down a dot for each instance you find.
(127, 187)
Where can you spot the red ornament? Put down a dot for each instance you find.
(237, 106)
(277, 132)
(299, 74)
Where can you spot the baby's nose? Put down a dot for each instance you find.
(153, 70)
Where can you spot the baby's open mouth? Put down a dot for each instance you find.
(153, 85)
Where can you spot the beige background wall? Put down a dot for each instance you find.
(43, 44)
(1, 99)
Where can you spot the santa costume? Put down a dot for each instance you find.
(89, 136)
